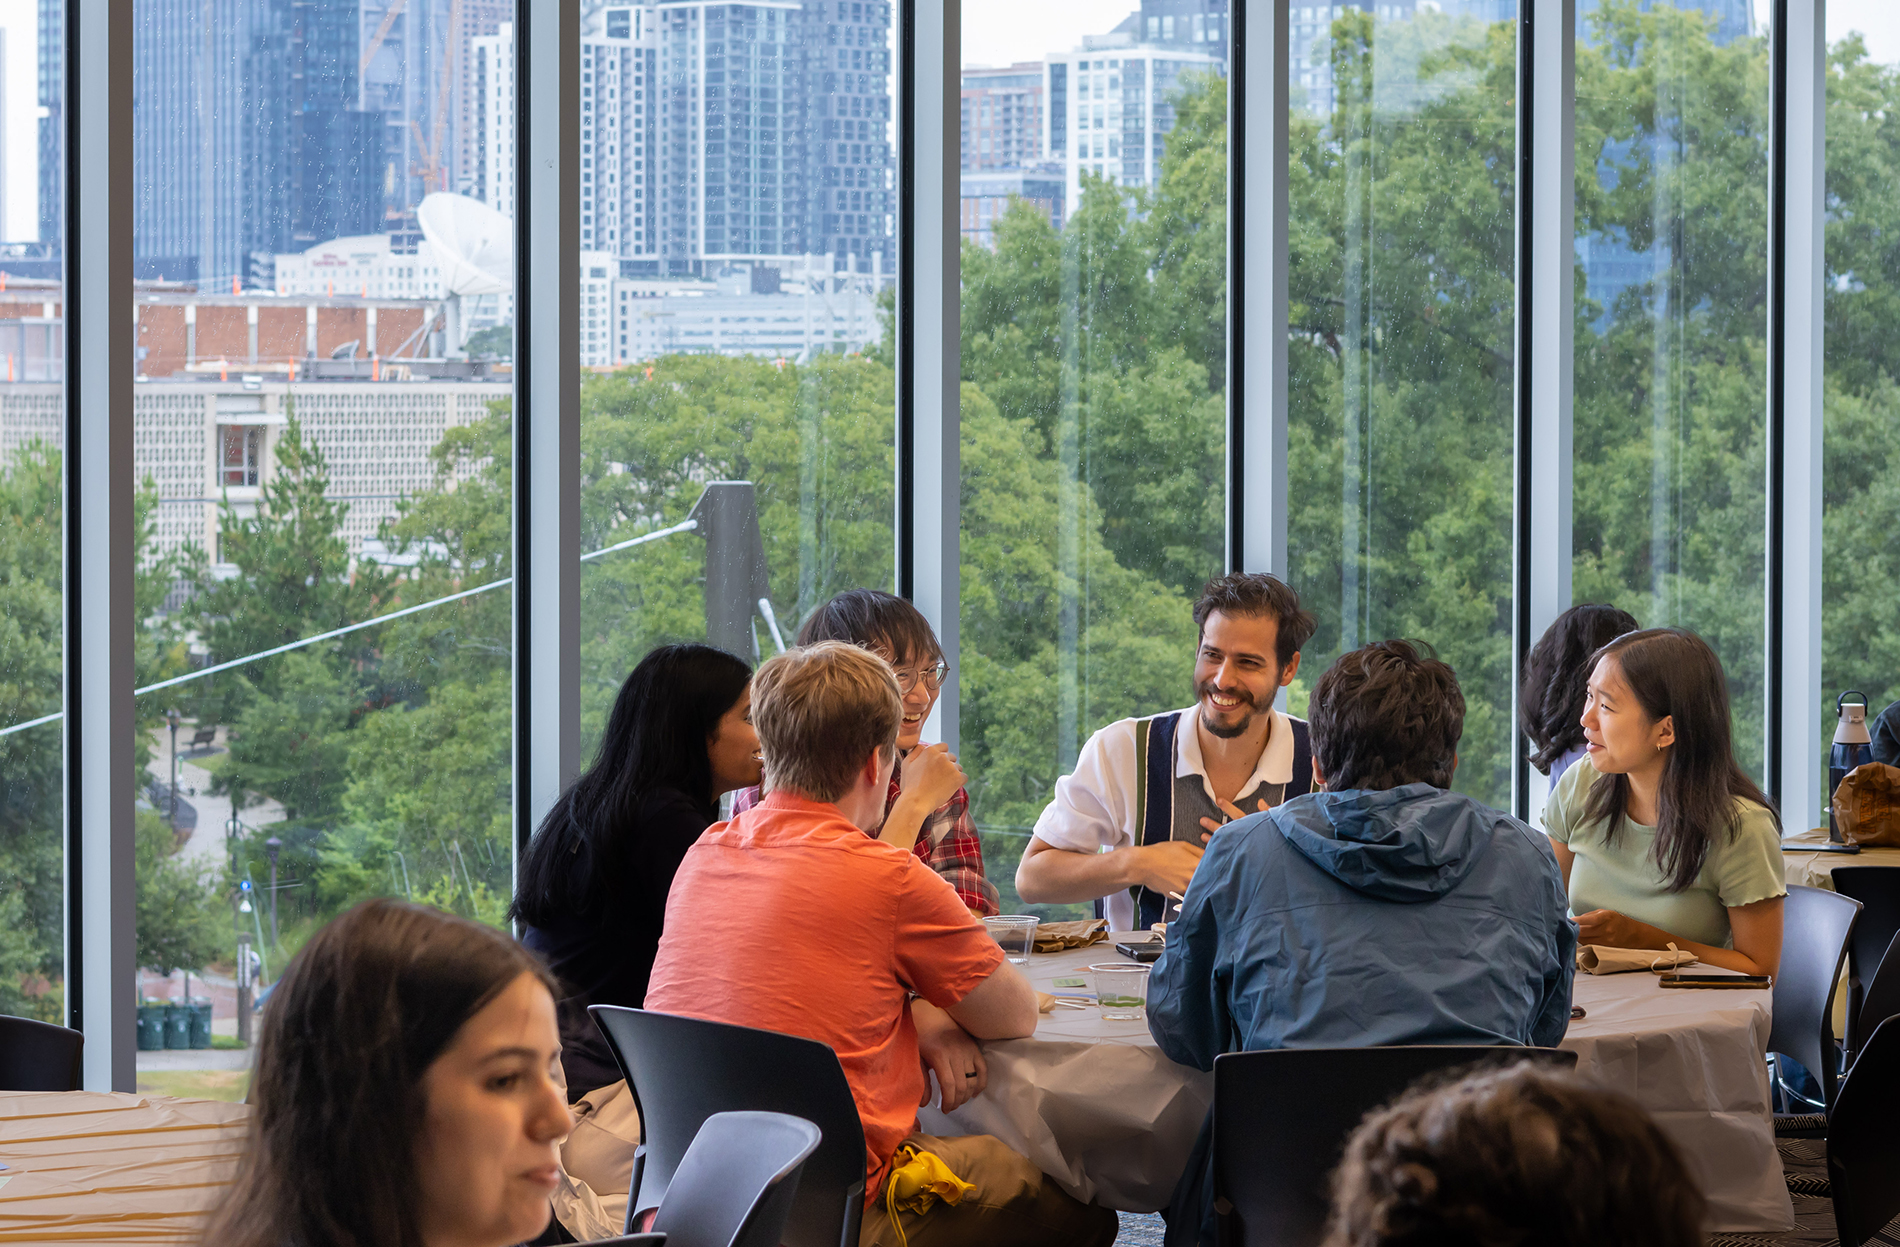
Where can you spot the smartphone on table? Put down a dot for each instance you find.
(1754, 982)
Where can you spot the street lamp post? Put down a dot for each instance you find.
(171, 720)
(241, 907)
(273, 846)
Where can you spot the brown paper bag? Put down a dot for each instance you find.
(1867, 806)
(1055, 936)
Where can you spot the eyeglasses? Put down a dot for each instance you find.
(931, 676)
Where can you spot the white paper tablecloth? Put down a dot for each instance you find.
(106, 1167)
(1099, 1109)
(1816, 869)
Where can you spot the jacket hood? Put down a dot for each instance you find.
(1411, 843)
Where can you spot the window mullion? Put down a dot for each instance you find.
(547, 409)
(1257, 207)
(929, 330)
(1546, 285)
(99, 543)
(1796, 272)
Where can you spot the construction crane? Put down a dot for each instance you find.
(433, 169)
(375, 45)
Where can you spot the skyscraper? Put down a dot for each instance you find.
(1111, 106)
(52, 93)
(1002, 116)
(479, 19)
(754, 132)
(247, 135)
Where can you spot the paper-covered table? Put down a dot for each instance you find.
(99, 1167)
(1814, 867)
(1101, 1110)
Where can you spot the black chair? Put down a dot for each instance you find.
(38, 1056)
(734, 1186)
(1816, 927)
(681, 1071)
(1882, 998)
(1877, 888)
(1863, 1148)
(1282, 1118)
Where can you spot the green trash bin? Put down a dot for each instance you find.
(177, 1026)
(151, 1027)
(200, 1021)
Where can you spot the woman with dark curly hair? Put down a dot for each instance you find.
(1509, 1157)
(1550, 701)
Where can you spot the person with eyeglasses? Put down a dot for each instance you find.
(927, 809)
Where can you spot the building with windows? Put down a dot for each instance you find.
(1002, 117)
(368, 266)
(1111, 107)
(715, 134)
(250, 135)
(746, 311)
(1184, 25)
(986, 196)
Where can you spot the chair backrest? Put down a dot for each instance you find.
(1877, 888)
(1816, 926)
(681, 1071)
(734, 1187)
(1882, 997)
(1282, 1118)
(38, 1056)
(1863, 1148)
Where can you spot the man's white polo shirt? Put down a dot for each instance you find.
(1095, 808)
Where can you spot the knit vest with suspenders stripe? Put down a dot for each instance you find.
(1155, 796)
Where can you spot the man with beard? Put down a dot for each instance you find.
(1130, 825)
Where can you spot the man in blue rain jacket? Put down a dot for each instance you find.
(1384, 910)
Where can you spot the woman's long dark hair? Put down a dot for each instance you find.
(360, 1014)
(1673, 673)
(1550, 701)
(656, 737)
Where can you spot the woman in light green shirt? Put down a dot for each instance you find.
(1663, 839)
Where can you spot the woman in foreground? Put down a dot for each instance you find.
(1664, 839)
(403, 1091)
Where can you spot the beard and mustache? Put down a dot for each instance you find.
(1226, 731)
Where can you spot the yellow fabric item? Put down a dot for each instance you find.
(918, 1179)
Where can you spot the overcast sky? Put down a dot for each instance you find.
(1001, 32)
(1877, 20)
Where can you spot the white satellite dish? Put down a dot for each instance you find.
(474, 244)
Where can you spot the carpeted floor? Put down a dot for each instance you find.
(1140, 1229)
(1804, 1161)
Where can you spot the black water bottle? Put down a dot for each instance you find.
(1852, 747)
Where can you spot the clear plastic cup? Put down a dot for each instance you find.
(1121, 989)
(1016, 933)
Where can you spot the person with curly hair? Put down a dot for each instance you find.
(1513, 1156)
(1385, 909)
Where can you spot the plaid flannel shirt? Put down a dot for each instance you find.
(947, 843)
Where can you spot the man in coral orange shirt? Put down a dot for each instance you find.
(792, 918)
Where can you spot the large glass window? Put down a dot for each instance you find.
(1861, 603)
(1672, 178)
(1094, 295)
(738, 232)
(32, 305)
(1400, 354)
(320, 439)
